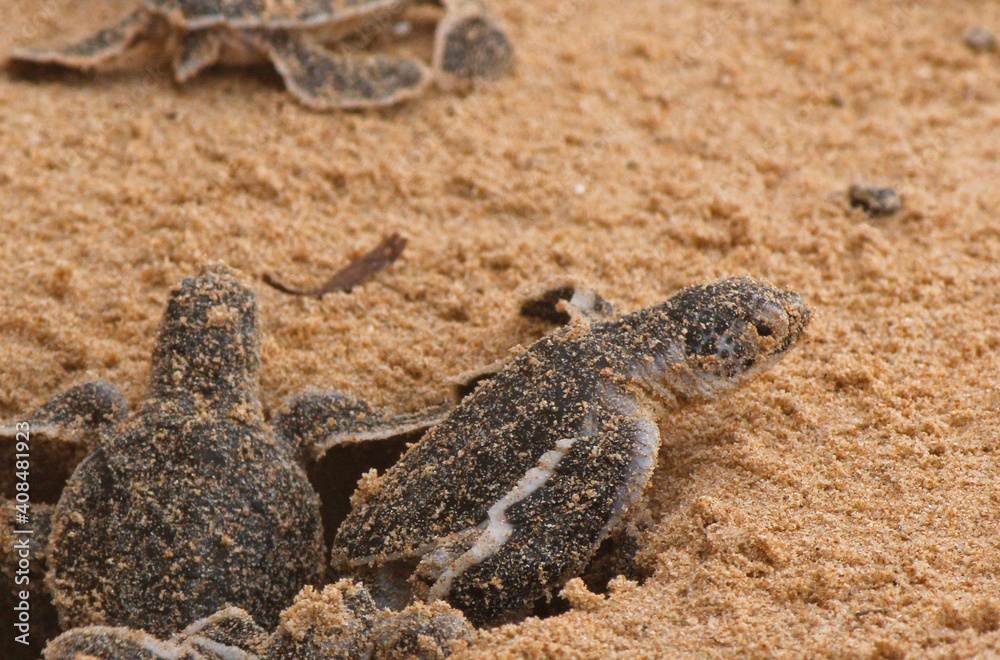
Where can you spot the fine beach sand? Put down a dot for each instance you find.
(846, 504)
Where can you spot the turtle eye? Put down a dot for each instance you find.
(771, 321)
(725, 346)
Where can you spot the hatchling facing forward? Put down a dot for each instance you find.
(289, 33)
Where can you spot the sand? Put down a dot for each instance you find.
(847, 504)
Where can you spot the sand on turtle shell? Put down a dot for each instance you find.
(846, 504)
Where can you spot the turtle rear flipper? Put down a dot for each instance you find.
(324, 80)
(100, 47)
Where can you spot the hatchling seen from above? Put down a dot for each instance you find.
(193, 502)
(469, 44)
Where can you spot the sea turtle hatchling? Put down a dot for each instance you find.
(193, 502)
(469, 43)
(511, 495)
(507, 496)
(339, 622)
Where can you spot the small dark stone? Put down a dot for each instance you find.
(980, 40)
(874, 201)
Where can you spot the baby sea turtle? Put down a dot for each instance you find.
(501, 502)
(340, 622)
(510, 496)
(193, 502)
(469, 43)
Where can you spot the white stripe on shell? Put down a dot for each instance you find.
(499, 529)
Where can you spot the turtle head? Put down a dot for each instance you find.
(208, 345)
(712, 338)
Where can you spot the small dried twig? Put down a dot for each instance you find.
(354, 273)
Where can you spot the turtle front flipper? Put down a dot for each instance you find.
(342, 439)
(566, 302)
(618, 553)
(58, 435)
(196, 51)
(88, 407)
(511, 495)
(229, 633)
(104, 45)
(470, 44)
(111, 643)
(547, 527)
(318, 421)
(324, 80)
(561, 303)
